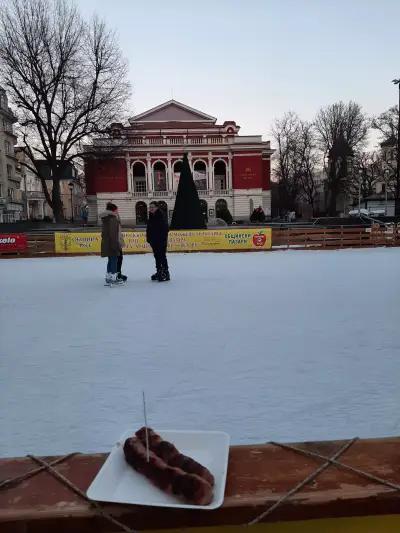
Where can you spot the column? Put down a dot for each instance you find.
(128, 175)
(210, 172)
(170, 180)
(149, 174)
(42, 209)
(229, 180)
(190, 160)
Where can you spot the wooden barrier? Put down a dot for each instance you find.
(42, 245)
(343, 237)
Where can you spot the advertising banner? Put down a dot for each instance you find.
(178, 241)
(13, 242)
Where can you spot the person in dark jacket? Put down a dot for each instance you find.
(157, 237)
(111, 241)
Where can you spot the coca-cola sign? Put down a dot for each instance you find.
(11, 242)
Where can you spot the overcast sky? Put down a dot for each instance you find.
(252, 60)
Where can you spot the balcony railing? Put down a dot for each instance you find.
(152, 194)
(169, 194)
(210, 192)
(167, 140)
(178, 140)
(35, 195)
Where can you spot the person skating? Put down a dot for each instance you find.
(111, 242)
(119, 267)
(157, 237)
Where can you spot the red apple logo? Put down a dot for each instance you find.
(259, 239)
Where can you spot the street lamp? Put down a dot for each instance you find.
(396, 201)
(359, 191)
(386, 178)
(71, 188)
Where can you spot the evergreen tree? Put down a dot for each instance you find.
(187, 211)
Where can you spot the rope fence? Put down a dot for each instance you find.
(49, 467)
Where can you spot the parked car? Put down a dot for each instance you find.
(377, 212)
(358, 212)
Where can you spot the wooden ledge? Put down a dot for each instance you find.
(258, 476)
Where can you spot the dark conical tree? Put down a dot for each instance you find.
(187, 211)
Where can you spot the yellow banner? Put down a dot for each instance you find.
(178, 241)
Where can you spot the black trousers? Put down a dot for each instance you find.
(160, 255)
(119, 262)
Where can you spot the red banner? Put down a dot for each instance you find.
(12, 242)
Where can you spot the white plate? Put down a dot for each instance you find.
(117, 482)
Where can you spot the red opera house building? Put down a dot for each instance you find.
(141, 162)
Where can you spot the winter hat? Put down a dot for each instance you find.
(111, 207)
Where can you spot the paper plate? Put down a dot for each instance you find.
(117, 482)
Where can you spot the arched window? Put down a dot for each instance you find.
(200, 175)
(141, 213)
(177, 173)
(204, 209)
(220, 205)
(220, 182)
(139, 177)
(222, 211)
(160, 176)
(164, 208)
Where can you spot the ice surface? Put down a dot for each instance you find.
(289, 346)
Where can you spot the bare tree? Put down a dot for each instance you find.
(285, 132)
(297, 159)
(387, 124)
(341, 128)
(309, 159)
(67, 78)
(366, 173)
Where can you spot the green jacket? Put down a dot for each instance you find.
(111, 240)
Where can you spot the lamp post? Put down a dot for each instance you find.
(71, 188)
(386, 178)
(359, 192)
(397, 191)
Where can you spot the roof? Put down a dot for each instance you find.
(391, 141)
(173, 111)
(379, 197)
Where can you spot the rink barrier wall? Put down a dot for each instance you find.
(282, 239)
(350, 486)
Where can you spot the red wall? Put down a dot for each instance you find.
(247, 172)
(266, 178)
(105, 175)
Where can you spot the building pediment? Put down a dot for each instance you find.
(172, 111)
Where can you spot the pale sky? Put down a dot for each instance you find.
(253, 60)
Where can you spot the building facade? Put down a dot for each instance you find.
(141, 162)
(35, 204)
(11, 200)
